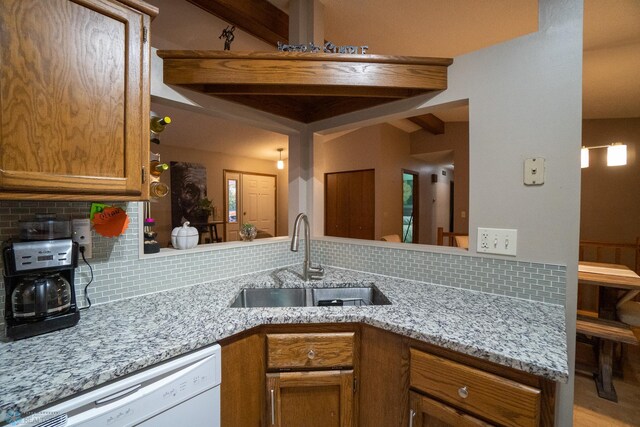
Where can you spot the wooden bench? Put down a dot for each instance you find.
(605, 333)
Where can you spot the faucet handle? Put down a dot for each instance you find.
(316, 272)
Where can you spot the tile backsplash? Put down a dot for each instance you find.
(119, 273)
(519, 279)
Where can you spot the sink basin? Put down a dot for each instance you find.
(309, 297)
(271, 297)
(360, 296)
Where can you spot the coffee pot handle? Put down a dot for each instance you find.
(40, 295)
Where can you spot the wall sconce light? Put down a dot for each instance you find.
(616, 154)
(280, 164)
(584, 157)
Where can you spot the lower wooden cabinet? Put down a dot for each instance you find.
(352, 375)
(310, 399)
(492, 397)
(426, 412)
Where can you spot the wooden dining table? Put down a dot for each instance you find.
(616, 283)
(611, 279)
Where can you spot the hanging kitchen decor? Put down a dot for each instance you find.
(109, 221)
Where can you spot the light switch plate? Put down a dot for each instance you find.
(500, 241)
(534, 171)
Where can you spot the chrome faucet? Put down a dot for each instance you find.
(309, 271)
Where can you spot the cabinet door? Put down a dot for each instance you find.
(310, 399)
(427, 412)
(74, 89)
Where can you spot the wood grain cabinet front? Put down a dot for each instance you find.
(310, 399)
(74, 99)
(499, 400)
(426, 412)
(317, 388)
(310, 350)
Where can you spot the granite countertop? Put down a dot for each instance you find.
(115, 339)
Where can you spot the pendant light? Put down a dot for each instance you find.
(280, 164)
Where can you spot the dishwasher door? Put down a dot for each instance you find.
(184, 391)
(191, 413)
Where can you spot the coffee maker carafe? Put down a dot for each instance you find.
(40, 296)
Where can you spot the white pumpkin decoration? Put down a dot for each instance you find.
(185, 237)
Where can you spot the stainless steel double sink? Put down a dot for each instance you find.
(310, 297)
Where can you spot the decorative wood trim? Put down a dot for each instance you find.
(257, 17)
(142, 6)
(304, 86)
(430, 123)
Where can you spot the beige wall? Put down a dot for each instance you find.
(215, 164)
(610, 196)
(387, 150)
(455, 138)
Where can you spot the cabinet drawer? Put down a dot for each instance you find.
(490, 396)
(427, 412)
(310, 350)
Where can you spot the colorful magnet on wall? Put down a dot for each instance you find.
(111, 221)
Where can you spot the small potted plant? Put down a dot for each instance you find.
(248, 232)
(202, 210)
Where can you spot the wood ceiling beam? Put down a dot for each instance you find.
(257, 17)
(429, 122)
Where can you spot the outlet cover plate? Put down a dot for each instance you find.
(82, 235)
(500, 241)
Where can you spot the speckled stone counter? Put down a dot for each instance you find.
(116, 339)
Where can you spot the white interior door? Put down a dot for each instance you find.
(259, 202)
(233, 214)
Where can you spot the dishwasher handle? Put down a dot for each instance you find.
(119, 395)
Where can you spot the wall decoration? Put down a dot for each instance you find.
(327, 48)
(188, 194)
(227, 33)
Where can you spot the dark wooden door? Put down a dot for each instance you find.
(350, 204)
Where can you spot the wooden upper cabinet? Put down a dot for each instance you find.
(74, 99)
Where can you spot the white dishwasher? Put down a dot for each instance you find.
(183, 391)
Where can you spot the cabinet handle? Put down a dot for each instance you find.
(463, 392)
(412, 415)
(311, 355)
(273, 408)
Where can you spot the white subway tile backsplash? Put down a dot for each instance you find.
(118, 273)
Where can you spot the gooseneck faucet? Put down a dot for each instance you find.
(309, 271)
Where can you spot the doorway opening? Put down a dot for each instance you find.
(250, 198)
(410, 206)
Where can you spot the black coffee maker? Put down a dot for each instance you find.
(40, 295)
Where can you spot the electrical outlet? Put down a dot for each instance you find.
(82, 235)
(499, 241)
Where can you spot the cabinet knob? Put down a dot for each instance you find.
(463, 392)
(311, 355)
